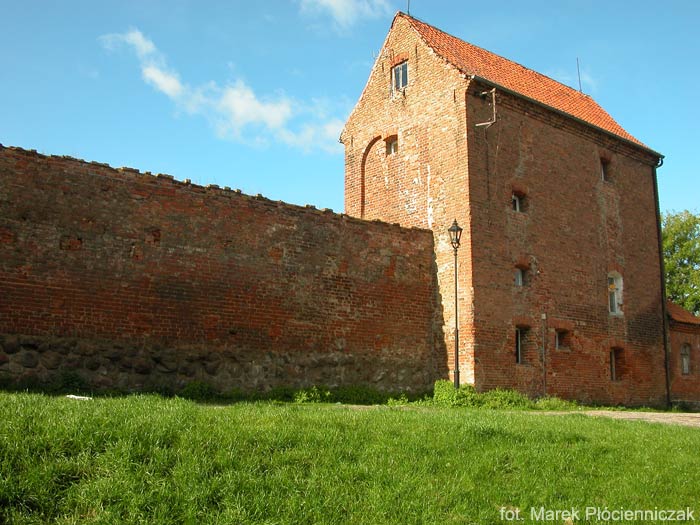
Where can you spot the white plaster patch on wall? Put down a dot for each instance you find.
(410, 199)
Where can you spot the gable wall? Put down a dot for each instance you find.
(425, 183)
(135, 281)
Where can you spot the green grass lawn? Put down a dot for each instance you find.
(145, 459)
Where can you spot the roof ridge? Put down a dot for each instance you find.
(413, 18)
(520, 80)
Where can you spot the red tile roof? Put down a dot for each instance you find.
(680, 314)
(473, 60)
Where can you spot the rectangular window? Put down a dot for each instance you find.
(519, 277)
(686, 365)
(392, 145)
(605, 170)
(561, 339)
(400, 74)
(612, 295)
(518, 201)
(685, 359)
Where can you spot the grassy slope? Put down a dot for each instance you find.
(152, 460)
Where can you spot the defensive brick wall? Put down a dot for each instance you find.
(138, 281)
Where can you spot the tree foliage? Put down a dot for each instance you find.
(681, 249)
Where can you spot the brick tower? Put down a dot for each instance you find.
(560, 276)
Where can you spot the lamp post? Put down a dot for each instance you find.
(455, 236)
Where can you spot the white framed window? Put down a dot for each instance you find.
(516, 202)
(615, 293)
(399, 75)
(685, 359)
(519, 277)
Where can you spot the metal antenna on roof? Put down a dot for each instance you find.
(579, 76)
(408, 7)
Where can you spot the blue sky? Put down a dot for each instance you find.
(253, 95)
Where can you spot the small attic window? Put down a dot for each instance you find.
(392, 145)
(399, 74)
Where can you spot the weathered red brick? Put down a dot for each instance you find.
(115, 257)
(573, 229)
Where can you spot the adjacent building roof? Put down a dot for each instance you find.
(680, 314)
(475, 61)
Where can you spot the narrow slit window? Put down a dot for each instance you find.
(605, 170)
(520, 334)
(400, 76)
(615, 364)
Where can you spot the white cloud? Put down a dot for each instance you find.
(142, 45)
(234, 110)
(152, 62)
(346, 13)
(243, 107)
(315, 136)
(162, 80)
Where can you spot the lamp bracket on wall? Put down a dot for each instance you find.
(484, 94)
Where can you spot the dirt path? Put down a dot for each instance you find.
(668, 418)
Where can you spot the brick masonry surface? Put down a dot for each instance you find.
(573, 228)
(136, 281)
(685, 387)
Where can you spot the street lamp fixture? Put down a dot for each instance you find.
(455, 236)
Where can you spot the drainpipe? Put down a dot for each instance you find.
(667, 368)
(544, 354)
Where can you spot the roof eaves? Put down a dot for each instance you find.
(637, 145)
(632, 143)
(678, 314)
